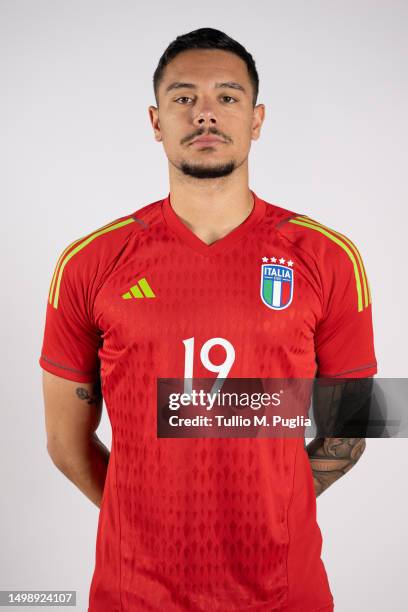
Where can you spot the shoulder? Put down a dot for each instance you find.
(317, 239)
(89, 256)
(336, 256)
(313, 237)
(106, 239)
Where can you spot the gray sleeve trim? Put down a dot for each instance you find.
(63, 367)
(365, 367)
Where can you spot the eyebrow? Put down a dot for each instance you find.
(226, 84)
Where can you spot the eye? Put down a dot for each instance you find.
(182, 99)
(228, 99)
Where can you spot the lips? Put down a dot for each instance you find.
(207, 140)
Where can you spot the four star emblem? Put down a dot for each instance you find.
(282, 260)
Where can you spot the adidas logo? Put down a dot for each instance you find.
(140, 290)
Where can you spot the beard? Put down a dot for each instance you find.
(201, 171)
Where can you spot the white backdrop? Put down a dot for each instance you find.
(77, 152)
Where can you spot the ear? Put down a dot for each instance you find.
(154, 120)
(257, 121)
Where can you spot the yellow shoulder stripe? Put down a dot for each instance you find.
(351, 251)
(70, 252)
(367, 293)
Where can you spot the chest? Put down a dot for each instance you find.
(255, 303)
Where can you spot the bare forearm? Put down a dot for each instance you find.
(331, 458)
(86, 468)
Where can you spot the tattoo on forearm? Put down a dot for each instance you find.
(90, 398)
(331, 458)
(341, 410)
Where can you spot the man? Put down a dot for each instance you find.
(181, 288)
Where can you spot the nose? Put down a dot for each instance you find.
(205, 117)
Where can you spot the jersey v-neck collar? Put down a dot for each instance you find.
(188, 237)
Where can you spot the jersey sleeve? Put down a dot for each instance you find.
(344, 342)
(71, 340)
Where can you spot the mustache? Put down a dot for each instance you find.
(210, 132)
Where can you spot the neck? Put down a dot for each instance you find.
(211, 208)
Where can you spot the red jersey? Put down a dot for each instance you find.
(206, 524)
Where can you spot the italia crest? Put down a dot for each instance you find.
(277, 282)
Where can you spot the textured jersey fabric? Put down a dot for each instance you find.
(206, 524)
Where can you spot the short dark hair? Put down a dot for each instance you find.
(206, 38)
